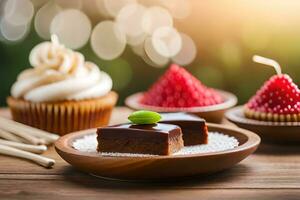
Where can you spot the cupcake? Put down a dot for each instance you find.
(62, 92)
(278, 100)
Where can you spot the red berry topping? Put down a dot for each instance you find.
(178, 88)
(279, 95)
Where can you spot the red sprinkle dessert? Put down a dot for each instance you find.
(178, 88)
(278, 100)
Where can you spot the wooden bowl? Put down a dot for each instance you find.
(270, 132)
(214, 113)
(158, 167)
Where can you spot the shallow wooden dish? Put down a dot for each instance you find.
(270, 132)
(159, 167)
(212, 114)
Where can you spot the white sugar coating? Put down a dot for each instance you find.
(87, 143)
(216, 142)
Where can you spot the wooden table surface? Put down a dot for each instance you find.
(273, 172)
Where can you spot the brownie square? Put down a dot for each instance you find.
(156, 139)
(194, 128)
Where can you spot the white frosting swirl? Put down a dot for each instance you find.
(59, 74)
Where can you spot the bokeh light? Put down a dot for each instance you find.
(18, 12)
(113, 7)
(188, 51)
(136, 40)
(72, 27)
(73, 21)
(156, 17)
(154, 56)
(149, 62)
(44, 17)
(129, 20)
(12, 32)
(166, 41)
(107, 40)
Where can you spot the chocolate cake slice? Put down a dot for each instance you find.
(194, 128)
(156, 139)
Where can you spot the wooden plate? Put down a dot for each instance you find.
(214, 113)
(270, 132)
(158, 167)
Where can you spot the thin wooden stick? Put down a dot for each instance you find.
(31, 139)
(9, 136)
(26, 147)
(16, 130)
(44, 161)
(15, 126)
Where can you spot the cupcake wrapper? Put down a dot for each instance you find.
(64, 117)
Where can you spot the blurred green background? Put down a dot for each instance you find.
(227, 34)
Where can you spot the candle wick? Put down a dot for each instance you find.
(267, 61)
